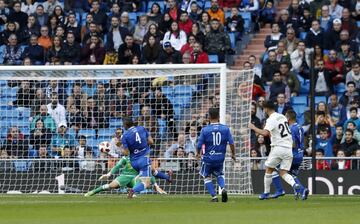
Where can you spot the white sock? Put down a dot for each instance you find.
(267, 182)
(289, 179)
(106, 187)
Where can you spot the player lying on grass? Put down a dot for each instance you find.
(212, 147)
(117, 142)
(297, 133)
(277, 128)
(127, 178)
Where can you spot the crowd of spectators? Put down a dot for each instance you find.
(52, 32)
(319, 34)
(322, 35)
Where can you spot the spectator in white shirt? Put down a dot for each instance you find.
(56, 110)
(175, 36)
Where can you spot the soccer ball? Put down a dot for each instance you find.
(104, 147)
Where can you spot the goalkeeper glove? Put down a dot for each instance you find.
(105, 176)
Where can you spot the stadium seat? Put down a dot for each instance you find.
(213, 58)
(319, 99)
(303, 35)
(183, 95)
(71, 131)
(106, 133)
(133, 17)
(305, 87)
(2, 47)
(299, 109)
(227, 14)
(88, 133)
(21, 165)
(340, 88)
(168, 91)
(358, 24)
(162, 127)
(207, 5)
(116, 123)
(299, 100)
(136, 110)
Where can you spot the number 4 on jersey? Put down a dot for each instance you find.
(137, 137)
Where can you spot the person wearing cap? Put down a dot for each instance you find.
(60, 140)
(169, 55)
(333, 35)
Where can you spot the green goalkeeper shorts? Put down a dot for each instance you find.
(125, 180)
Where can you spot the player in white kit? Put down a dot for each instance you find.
(277, 128)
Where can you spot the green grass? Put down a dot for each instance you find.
(68, 209)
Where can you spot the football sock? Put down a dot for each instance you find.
(298, 182)
(139, 187)
(161, 175)
(221, 181)
(101, 188)
(289, 179)
(277, 182)
(267, 182)
(210, 187)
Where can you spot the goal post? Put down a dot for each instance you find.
(53, 110)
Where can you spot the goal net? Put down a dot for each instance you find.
(54, 118)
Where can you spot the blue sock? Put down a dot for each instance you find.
(161, 175)
(139, 187)
(276, 179)
(221, 181)
(210, 187)
(298, 182)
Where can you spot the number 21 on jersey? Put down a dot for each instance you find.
(216, 138)
(137, 137)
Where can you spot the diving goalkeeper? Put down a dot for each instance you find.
(128, 178)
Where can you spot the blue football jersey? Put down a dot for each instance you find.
(297, 133)
(213, 141)
(135, 140)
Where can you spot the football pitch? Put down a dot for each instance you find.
(169, 209)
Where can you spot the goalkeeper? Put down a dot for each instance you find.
(128, 178)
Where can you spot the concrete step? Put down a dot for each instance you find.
(254, 52)
(257, 41)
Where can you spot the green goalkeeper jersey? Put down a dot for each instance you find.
(124, 165)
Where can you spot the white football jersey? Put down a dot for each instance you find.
(280, 133)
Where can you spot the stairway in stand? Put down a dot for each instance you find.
(256, 45)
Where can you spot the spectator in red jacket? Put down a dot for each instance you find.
(198, 56)
(320, 163)
(185, 24)
(188, 47)
(335, 66)
(341, 164)
(227, 4)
